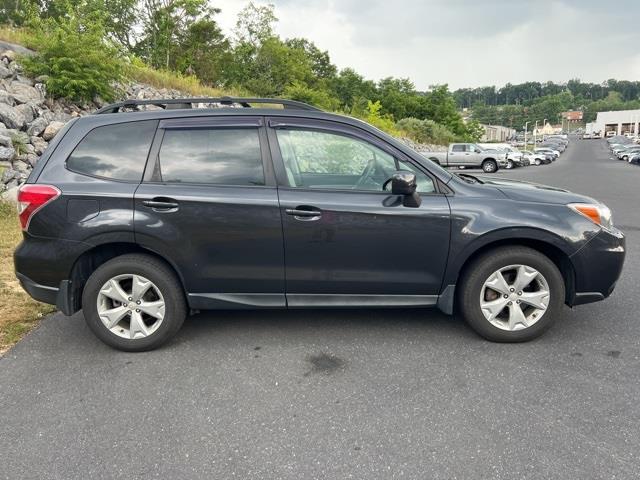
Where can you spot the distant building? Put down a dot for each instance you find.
(548, 129)
(497, 133)
(573, 116)
(621, 122)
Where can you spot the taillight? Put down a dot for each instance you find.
(31, 198)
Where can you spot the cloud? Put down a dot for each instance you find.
(467, 43)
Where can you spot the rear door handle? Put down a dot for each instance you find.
(161, 205)
(304, 213)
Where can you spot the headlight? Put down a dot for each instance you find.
(597, 213)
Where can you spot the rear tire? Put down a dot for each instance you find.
(510, 165)
(489, 166)
(124, 317)
(518, 320)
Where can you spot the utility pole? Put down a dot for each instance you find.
(535, 134)
(526, 127)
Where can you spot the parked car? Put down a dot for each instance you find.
(610, 133)
(538, 158)
(138, 218)
(470, 155)
(625, 154)
(551, 151)
(635, 158)
(514, 156)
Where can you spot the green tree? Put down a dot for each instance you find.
(73, 54)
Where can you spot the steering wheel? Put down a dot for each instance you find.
(366, 174)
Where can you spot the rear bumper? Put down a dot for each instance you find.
(41, 293)
(598, 266)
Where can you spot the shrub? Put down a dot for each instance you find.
(302, 93)
(426, 131)
(79, 63)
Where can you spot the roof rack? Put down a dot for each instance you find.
(187, 103)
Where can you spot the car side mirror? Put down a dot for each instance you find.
(405, 184)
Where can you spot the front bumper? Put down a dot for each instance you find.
(598, 266)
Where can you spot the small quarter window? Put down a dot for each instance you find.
(218, 156)
(117, 152)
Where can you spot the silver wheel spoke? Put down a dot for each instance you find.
(516, 316)
(139, 286)
(137, 325)
(525, 277)
(536, 299)
(492, 309)
(114, 291)
(114, 315)
(154, 309)
(498, 283)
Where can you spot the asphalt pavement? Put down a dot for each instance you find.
(367, 394)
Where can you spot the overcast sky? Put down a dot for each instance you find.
(467, 43)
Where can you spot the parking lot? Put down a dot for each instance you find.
(343, 394)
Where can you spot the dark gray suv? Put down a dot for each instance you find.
(139, 217)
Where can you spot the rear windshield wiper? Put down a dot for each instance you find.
(466, 177)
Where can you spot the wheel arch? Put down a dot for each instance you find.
(97, 255)
(546, 245)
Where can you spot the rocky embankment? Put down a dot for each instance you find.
(29, 120)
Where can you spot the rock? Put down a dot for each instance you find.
(22, 164)
(9, 55)
(27, 111)
(52, 130)
(32, 159)
(39, 144)
(7, 153)
(5, 98)
(28, 148)
(5, 141)
(8, 175)
(11, 194)
(36, 127)
(4, 71)
(11, 117)
(23, 93)
(25, 80)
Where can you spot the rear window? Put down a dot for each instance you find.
(217, 156)
(117, 152)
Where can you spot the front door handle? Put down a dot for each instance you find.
(304, 213)
(161, 204)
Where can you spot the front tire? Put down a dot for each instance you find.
(512, 294)
(510, 165)
(538, 162)
(489, 166)
(134, 303)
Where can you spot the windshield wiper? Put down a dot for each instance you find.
(466, 176)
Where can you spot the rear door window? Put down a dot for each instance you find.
(217, 156)
(117, 152)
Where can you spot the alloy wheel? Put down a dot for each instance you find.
(131, 306)
(514, 297)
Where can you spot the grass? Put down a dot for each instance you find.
(19, 313)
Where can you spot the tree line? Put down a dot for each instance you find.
(513, 105)
(80, 40)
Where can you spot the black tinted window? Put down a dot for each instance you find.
(217, 156)
(114, 151)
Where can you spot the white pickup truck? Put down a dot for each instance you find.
(469, 155)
